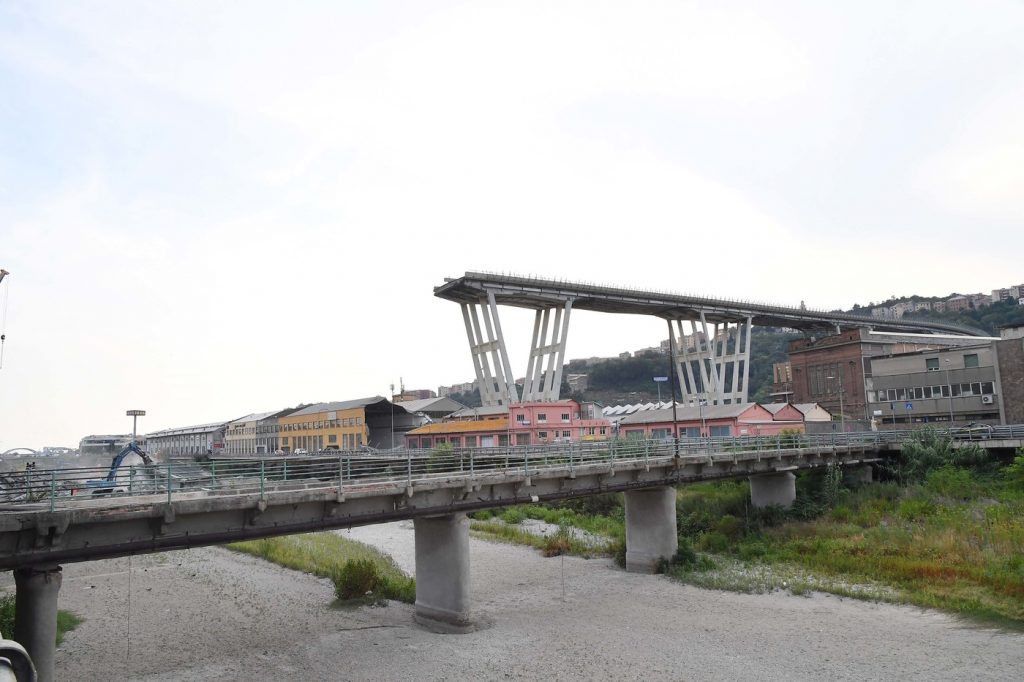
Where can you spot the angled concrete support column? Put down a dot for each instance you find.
(650, 528)
(769, 489)
(442, 573)
(35, 619)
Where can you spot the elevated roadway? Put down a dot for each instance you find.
(711, 360)
(46, 522)
(536, 294)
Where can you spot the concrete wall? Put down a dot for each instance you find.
(1010, 358)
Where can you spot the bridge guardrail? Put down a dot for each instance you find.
(61, 488)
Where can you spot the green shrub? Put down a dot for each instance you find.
(713, 542)
(952, 482)
(7, 615)
(752, 550)
(841, 513)
(356, 578)
(513, 515)
(729, 526)
(1014, 474)
(557, 543)
(927, 450)
(914, 509)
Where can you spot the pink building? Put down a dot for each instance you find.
(535, 423)
(538, 423)
(746, 419)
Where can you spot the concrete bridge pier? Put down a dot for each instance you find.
(650, 528)
(442, 573)
(777, 488)
(35, 619)
(857, 475)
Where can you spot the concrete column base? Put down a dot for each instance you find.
(857, 475)
(650, 528)
(35, 619)
(442, 573)
(773, 489)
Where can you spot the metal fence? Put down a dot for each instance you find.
(350, 470)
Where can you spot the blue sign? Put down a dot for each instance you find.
(660, 379)
(910, 406)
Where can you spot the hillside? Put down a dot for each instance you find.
(987, 318)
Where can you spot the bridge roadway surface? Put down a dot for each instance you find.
(536, 293)
(167, 506)
(231, 500)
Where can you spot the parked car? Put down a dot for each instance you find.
(301, 451)
(972, 431)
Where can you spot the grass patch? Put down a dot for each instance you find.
(946, 532)
(66, 620)
(359, 572)
(563, 541)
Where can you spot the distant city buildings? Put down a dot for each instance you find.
(953, 303)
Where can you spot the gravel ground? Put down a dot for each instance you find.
(211, 614)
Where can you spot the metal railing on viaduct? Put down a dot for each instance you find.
(50, 517)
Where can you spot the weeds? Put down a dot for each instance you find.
(358, 571)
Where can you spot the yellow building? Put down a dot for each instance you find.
(345, 425)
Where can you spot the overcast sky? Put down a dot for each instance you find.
(215, 208)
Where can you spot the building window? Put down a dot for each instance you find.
(931, 364)
(542, 417)
(284, 440)
(987, 388)
(565, 416)
(566, 434)
(454, 440)
(470, 441)
(971, 360)
(543, 435)
(521, 418)
(331, 438)
(719, 431)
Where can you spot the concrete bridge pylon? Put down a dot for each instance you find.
(35, 616)
(442, 573)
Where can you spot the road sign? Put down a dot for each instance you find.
(660, 379)
(909, 406)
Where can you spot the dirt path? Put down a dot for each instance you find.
(214, 615)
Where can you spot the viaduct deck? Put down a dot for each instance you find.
(173, 506)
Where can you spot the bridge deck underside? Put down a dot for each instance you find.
(537, 293)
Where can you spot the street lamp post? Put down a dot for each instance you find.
(392, 401)
(701, 399)
(135, 414)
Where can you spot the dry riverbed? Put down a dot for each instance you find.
(211, 614)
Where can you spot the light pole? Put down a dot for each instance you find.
(392, 401)
(659, 381)
(948, 362)
(842, 415)
(135, 414)
(701, 399)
